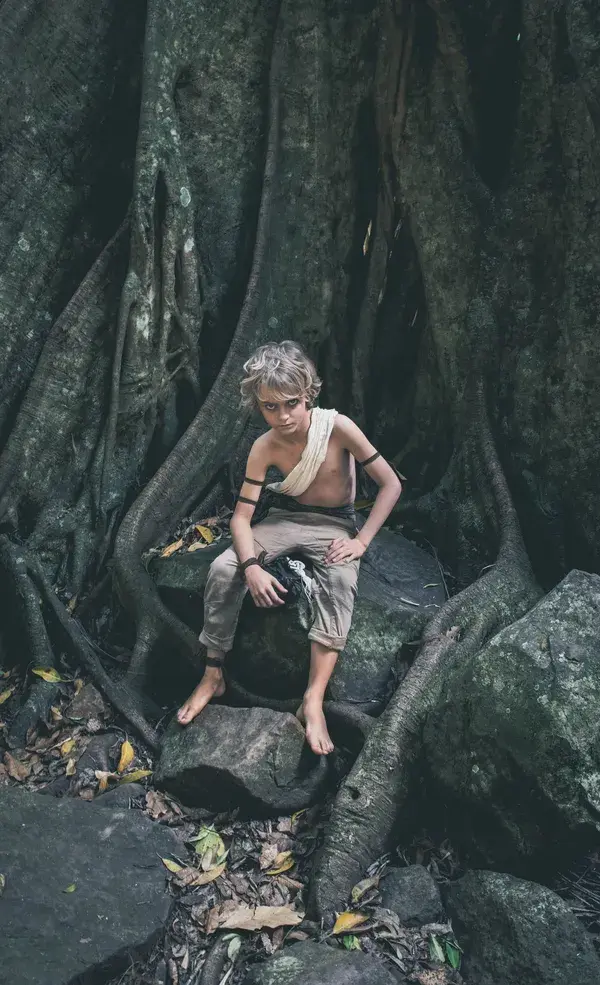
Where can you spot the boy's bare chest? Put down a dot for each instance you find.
(336, 467)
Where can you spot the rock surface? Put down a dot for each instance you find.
(516, 741)
(252, 758)
(399, 587)
(413, 894)
(119, 904)
(515, 932)
(308, 963)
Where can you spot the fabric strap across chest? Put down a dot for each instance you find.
(313, 456)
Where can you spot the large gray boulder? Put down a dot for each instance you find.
(399, 590)
(115, 912)
(515, 932)
(308, 963)
(251, 758)
(515, 743)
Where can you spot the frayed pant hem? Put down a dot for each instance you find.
(333, 642)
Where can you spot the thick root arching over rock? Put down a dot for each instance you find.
(376, 794)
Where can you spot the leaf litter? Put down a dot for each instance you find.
(247, 880)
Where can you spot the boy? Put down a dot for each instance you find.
(314, 515)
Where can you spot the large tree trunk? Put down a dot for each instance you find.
(408, 189)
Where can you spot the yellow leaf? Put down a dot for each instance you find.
(6, 695)
(172, 548)
(127, 756)
(56, 714)
(71, 888)
(283, 863)
(67, 746)
(363, 887)
(78, 684)
(348, 921)
(298, 814)
(51, 674)
(189, 876)
(205, 532)
(70, 770)
(2, 883)
(171, 865)
(135, 776)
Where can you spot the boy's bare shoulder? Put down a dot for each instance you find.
(352, 438)
(261, 452)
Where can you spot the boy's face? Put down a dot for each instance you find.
(282, 412)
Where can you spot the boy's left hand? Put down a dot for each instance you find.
(344, 550)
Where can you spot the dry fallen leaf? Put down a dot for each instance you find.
(78, 685)
(127, 756)
(49, 674)
(19, 771)
(67, 746)
(103, 776)
(71, 888)
(348, 921)
(268, 854)
(171, 865)
(172, 548)
(2, 883)
(233, 916)
(56, 714)
(189, 876)
(209, 845)
(283, 863)
(205, 532)
(432, 977)
(156, 805)
(6, 694)
(70, 770)
(363, 887)
(135, 776)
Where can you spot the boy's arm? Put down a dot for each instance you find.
(382, 473)
(264, 588)
(254, 477)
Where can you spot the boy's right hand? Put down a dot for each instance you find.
(264, 587)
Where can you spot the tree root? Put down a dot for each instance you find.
(206, 445)
(379, 786)
(215, 962)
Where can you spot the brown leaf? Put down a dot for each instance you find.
(172, 548)
(268, 854)
(19, 771)
(127, 756)
(348, 921)
(232, 916)
(155, 805)
(189, 876)
(103, 776)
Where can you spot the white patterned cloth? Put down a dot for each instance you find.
(313, 456)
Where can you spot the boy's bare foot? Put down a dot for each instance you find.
(311, 715)
(211, 686)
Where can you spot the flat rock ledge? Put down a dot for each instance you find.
(54, 934)
(251, 758)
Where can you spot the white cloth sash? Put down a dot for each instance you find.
(313, 456)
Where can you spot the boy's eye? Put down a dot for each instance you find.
(293, 402)
(269, 406)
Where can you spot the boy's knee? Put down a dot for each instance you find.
(224, 567)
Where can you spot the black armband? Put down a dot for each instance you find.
(368, 461)
(244, 499)
(254, 482)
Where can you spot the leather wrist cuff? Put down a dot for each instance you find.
(250, 561)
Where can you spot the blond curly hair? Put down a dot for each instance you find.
(283, 368)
